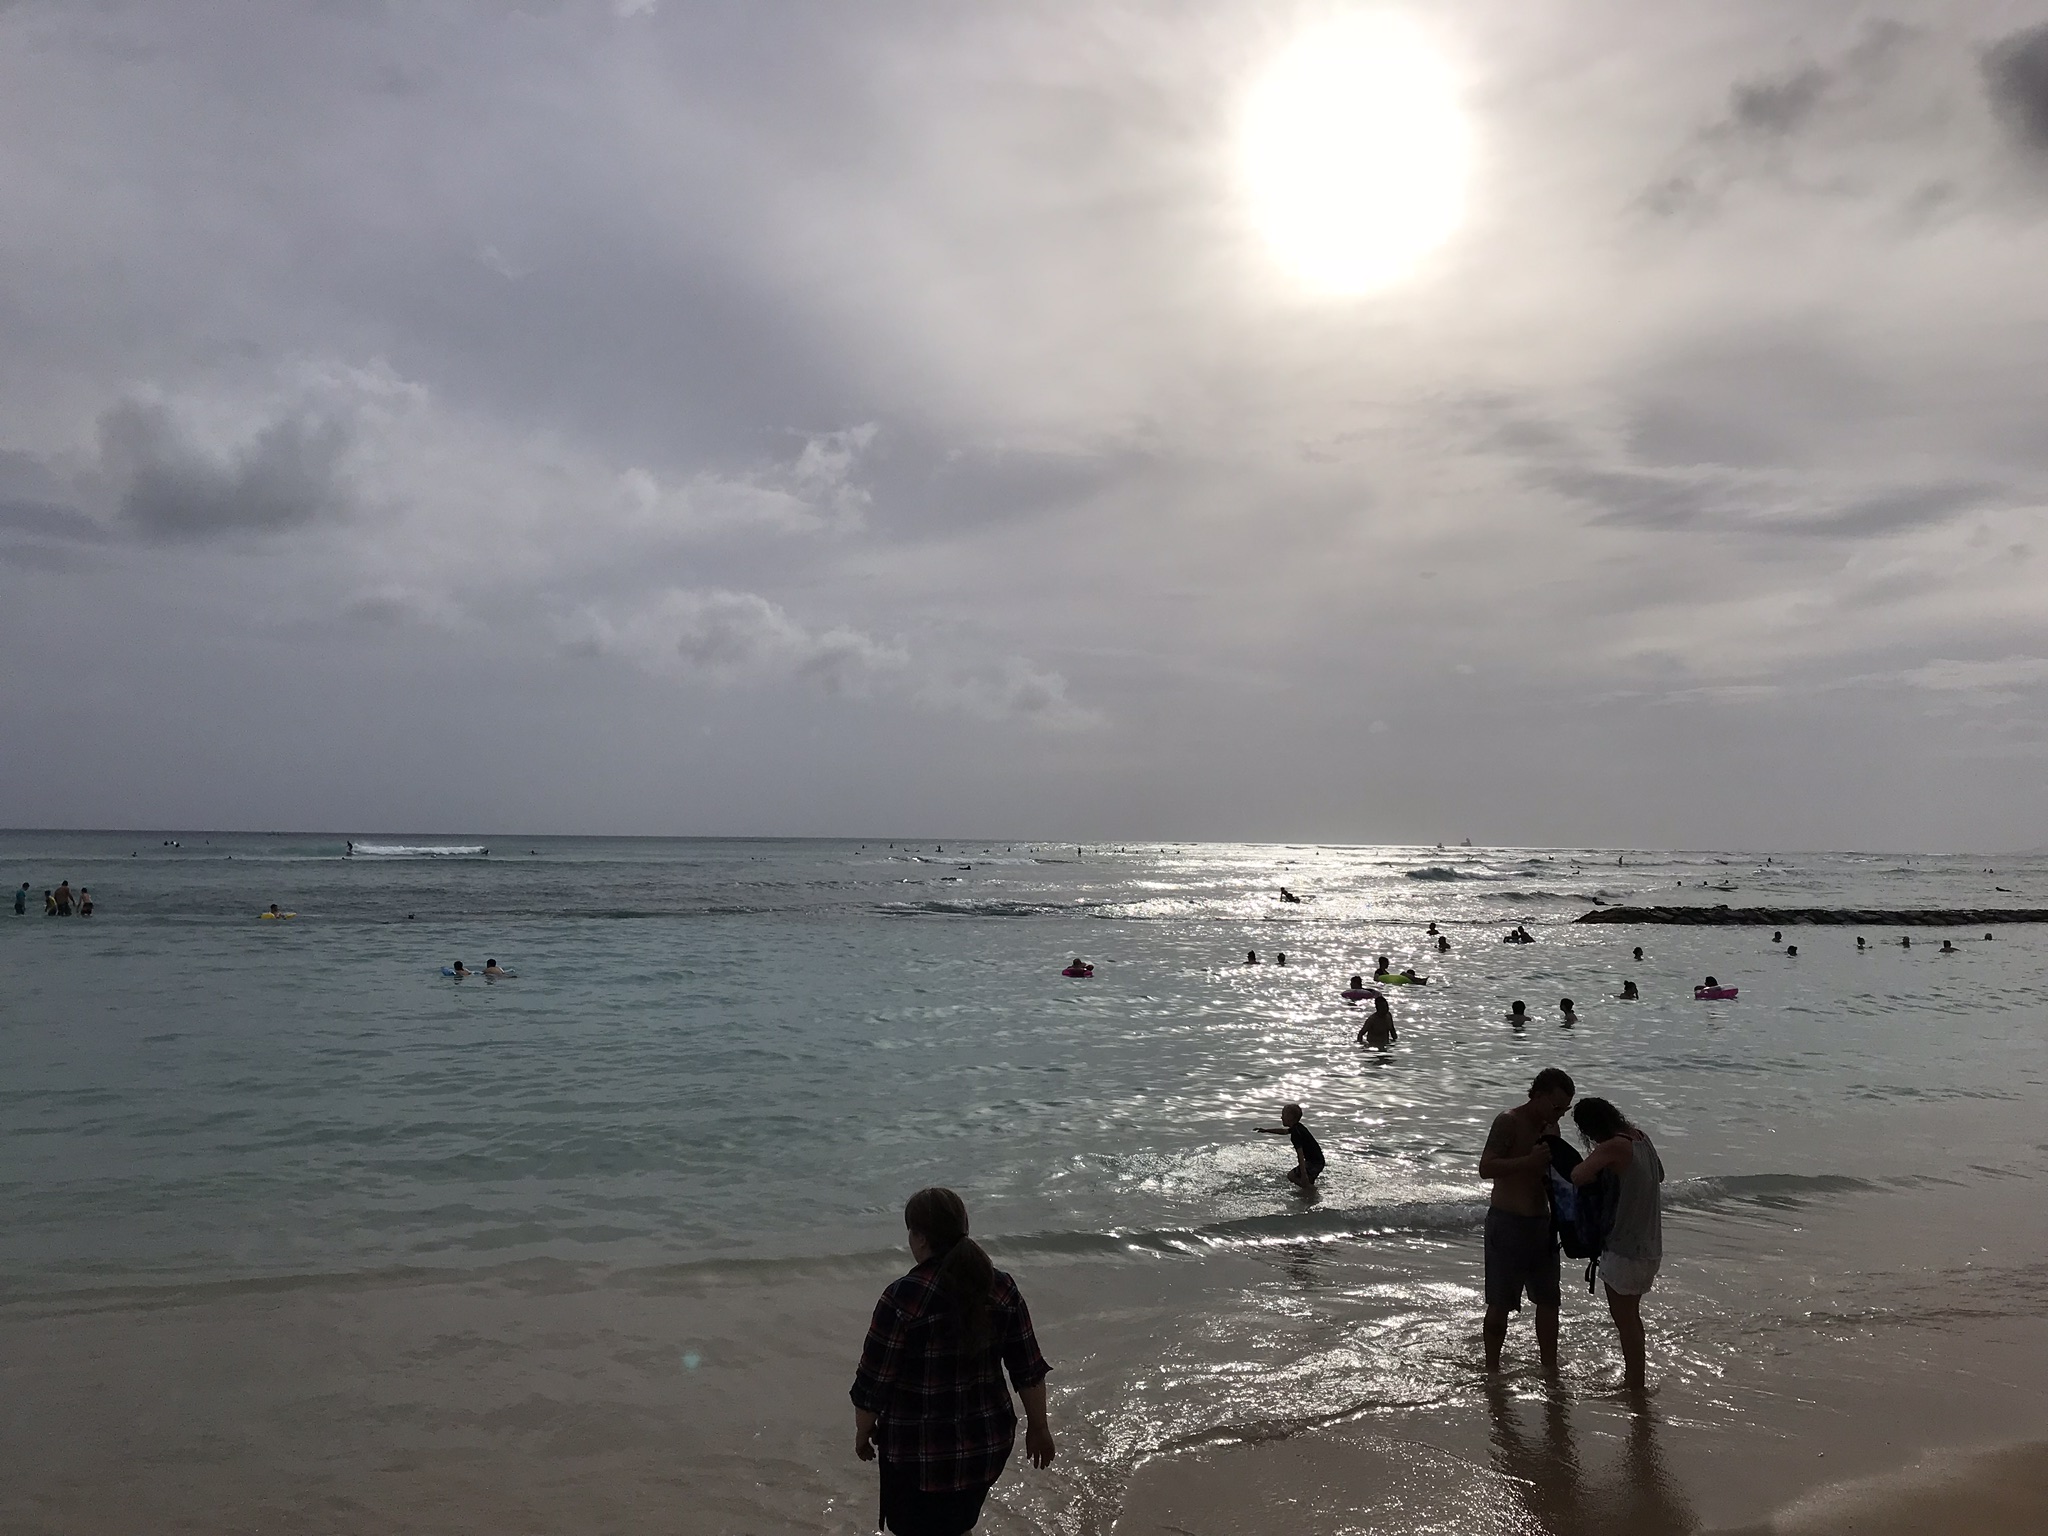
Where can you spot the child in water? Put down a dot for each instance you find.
(1308, 1153)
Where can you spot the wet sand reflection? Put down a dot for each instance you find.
(1637, 1496)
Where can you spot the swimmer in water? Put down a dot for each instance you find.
(1289, 896)
(1948, 947)
(84, 902)
(493, 970)
(21, 900)
(1859, 941)
(1443, 945)
(1281, 958)
(1251, 957)
(1568, 1015)
(1518, 1013)
(273, 910)
(462, 970)
(1378, 1029)
(63, 898)
(1905, 941)
(1431, 930)
(1639, 951)
(1383, 966)
(1792, 950)
(1629, 993)
(1777, 937)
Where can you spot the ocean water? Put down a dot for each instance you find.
(667, 1160)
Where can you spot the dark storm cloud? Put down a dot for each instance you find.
(2016, 73)
(287, 476)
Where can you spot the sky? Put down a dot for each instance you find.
(825, 418)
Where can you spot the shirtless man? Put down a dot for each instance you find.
(1521, 1246)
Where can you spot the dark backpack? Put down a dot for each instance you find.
(1583, 1214)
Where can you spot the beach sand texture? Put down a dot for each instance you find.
(297, 1234)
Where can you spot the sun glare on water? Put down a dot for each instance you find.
(1355, 153)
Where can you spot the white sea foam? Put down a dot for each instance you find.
(417, 850)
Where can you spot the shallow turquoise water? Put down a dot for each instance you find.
(719, 1050)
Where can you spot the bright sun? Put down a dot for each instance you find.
(1355, 153)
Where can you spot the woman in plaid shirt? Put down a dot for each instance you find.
(929, 1396)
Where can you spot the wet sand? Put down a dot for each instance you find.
(1923, 1451)
(550, 1398)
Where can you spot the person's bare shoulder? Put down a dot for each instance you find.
(1503, 1137)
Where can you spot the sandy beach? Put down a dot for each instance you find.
(554, 1397)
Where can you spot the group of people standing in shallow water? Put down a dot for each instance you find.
(56, 903)
(949, 1340)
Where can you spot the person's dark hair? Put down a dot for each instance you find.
(965, 1276)
(1565, 1003)
(1598, 1119)
(1552, 1080)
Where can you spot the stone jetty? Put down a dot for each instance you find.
(1834, 917)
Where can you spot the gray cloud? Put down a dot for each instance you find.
(2016, 73)
(1638, 498)
(51, 521)
(733, 634)
(1895, 510)
(1777, 104)
(1706, 501)
(287, 475)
